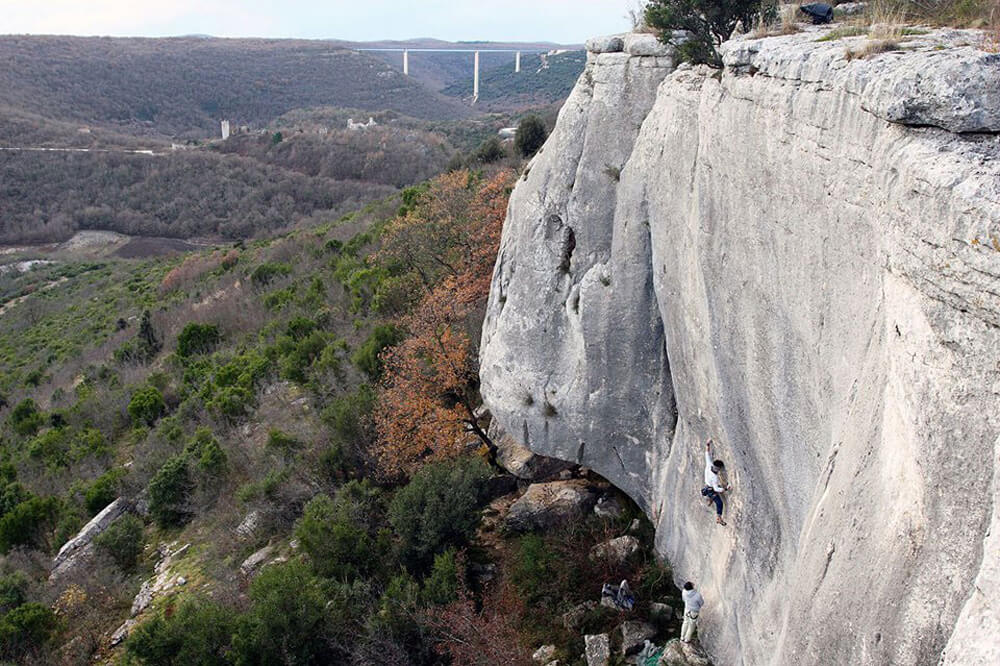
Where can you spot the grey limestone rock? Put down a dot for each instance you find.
(608, 506)
(644, 44)
(676, 653)
(573, 618)
(546, 505)
(597, 649)
(849, 9)
(607, 44)
(544, 654)
(772, 255)
(616, 550)
(255, 560)
(941, 79)
(635, 633)
(521, 461)
(79, 547)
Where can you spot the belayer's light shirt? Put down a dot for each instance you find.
(711, 478)
(692, 601)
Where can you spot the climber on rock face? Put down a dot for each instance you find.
(715, 482)
(693, 602)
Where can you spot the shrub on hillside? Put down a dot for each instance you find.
(288, 621)
(30, 523)
(338, 534)
(442, 584)
(122, 541)
(490, 151)
(146, 406)
(707, 23)
(26, 418)
(198, 631)
(197, 339)
(103, 491)
(437, 510)
(266, 273)
(530, 135)
(26, 627)
(367, 355)
(13, 591)
(169, 491)
(205, 450)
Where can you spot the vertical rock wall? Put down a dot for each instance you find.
(800, 257)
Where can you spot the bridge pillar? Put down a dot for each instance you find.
(406, 62)
(475, 80)
(517, 62)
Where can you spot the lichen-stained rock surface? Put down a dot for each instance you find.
(800, 257)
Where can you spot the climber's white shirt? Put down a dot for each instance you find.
(711, 478)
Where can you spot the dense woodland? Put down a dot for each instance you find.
(48, 196)
(184, 86)
(543, 79)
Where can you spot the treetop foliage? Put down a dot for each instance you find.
(706, 24)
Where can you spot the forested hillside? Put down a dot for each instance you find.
(185, 86)
(293, 426)
(544, 79)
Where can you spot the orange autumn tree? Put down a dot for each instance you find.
(430, 387)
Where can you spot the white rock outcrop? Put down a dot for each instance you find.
(80, 547)
(800, 257)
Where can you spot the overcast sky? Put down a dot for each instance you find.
(565, 21)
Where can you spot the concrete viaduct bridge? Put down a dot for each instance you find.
(475, 60)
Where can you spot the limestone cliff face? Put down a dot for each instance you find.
(799, 257)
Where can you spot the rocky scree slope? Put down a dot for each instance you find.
(800, 257)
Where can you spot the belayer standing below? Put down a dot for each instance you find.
(715, 483)
(693, 602)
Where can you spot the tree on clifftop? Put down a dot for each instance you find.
(707, 23)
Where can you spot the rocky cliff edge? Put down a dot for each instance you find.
(800, 257)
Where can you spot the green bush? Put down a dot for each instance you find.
(490, 151)
(50, 447)
(146, 406)
(103, 491)
(299, 358)
(300, 327)
(530, 135)
(707, 23)
(169, 490)
(197, 339)
(366, 356)
(535, 568)
(441, 585)
(266, 273)
(438, 509)
(25, 418)
(279, 441)
(13, 591)
(30, 523)
(348, 414)
(288, 621)
(339, 534)
(26, 627)
(12, 494)
(122, 541)
(197, 633)
(204, 448)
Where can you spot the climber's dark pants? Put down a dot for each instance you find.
(715, 497)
